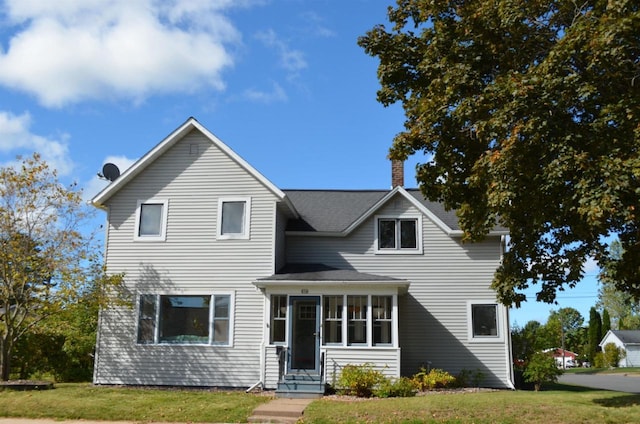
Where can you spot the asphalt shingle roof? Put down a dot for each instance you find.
(628, 336)
(321, 272)
(335, 210)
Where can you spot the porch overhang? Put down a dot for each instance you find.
(320, 276)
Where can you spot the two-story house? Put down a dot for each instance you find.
(238, 283)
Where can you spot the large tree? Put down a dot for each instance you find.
(528, 113)
(47, 259)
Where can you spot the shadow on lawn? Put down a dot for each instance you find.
(623, 401)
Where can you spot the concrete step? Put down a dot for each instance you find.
(280, 410)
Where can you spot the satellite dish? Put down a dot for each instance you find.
(110, 171)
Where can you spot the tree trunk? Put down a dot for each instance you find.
(5, 359)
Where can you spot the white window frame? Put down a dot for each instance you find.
(163, 224)
(499, 337)
(369, 322)
(210, 342)
(246, 222)
(398, 250)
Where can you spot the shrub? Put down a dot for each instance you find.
(612, 355)
(598, 360)
(434, 379)
(542, 368)
(402, 387)
(468, 378)
(359, 380)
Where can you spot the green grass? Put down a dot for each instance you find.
(562, 404)
(84, 401)
(558, 404)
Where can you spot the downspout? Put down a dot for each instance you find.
(503, 246)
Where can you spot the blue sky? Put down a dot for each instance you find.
(282, 82)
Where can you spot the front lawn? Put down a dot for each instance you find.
(561, 404)
(557, 404)
(84, 401)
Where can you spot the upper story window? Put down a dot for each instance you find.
(398, 234)
(233, 218)
(151, 220)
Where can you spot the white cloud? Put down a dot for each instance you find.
(277, 94)
(68, 51)
(16, 138)
(290, 59)
(96, 184)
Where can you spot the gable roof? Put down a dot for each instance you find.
(626, 336)
(338, 212)
(190, 125)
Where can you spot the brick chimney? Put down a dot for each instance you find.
(397, 173)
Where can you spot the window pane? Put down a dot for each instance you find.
(357, 319)
(221, 331)
(381, 311)
(184, 319)
(150, 219)
(333, 319)
(386, 234)
(222, 307)
(408, 236)
(485, 320)
(278, 318)
(233, 217)
(147, 319)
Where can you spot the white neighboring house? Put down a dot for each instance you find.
(628, 341)
(238, 283)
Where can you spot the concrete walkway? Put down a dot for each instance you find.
(279, 410)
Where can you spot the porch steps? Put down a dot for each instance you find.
(300, 386)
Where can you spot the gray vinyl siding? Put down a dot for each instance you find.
(433, 315)
(385, 360)
(190, 261)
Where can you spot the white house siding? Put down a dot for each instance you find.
(433, 315)
(632, 358)
(190, 261)
(385, 360)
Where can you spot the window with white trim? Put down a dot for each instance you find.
(332, 311)
(381, 307)
(151, 220)
(357, 320)
(278, 318)
(484, 322)
(185, 319)
(233, 218)
(398, 234)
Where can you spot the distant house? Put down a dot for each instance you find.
(627, 340)
(239, 283)
(564, 358)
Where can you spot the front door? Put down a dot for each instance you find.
(305, 337)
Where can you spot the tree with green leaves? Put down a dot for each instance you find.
(46, 261)
(606, 322)
(595, 333)
(624, 310)
(527, 115)
(566, 324)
